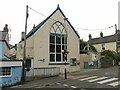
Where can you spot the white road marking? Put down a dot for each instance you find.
(93, 80)
(65, 85)
(58, 83)
(108, 80)
(73, 87)
(115, 83)
(15, 86)
(88, 78)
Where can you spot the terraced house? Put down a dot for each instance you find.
(111, 42)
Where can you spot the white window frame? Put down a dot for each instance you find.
(7, 75)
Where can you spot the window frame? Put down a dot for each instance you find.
(9, 75)
(60, 32)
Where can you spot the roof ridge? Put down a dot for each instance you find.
(106, 39)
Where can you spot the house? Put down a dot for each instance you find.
(10, 70)
(45, 42)
(4, 46)
(111, 42)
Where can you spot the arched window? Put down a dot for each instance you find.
(58, 42)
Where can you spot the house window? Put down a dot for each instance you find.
(58, 42)
(5, 71)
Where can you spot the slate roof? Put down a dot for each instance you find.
(42, 23)
(106, 39)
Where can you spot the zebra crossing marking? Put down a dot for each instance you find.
(97, 79)
(102, 80)
(88, 78)
(108, 80)
(114, 83)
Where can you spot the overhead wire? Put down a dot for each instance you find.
(74, 27)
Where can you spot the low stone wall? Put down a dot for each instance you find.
(33, 73)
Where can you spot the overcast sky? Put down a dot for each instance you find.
(82, 14)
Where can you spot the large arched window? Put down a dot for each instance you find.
(58, 42)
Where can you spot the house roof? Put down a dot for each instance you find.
(106, 39)
(42, 23)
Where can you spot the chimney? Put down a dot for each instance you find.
(90, 37)
(22, 36)
(5, 35)
(101, 34)
(5, 29)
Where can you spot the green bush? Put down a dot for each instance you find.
(108, 54)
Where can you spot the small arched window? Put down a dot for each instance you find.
(58, 42)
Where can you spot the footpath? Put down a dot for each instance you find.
(40, 83)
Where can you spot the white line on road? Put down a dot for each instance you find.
(101, 78)
(108, 80)
(73, 87)
(58, 83)
(88, 78)
(15, 86)
(65, 85)
(115, 83)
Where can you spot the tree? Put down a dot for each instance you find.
(83, 46)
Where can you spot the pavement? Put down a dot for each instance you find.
(40, 83)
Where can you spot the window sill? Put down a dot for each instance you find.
(6, 76)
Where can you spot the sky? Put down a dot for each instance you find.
(86, 16)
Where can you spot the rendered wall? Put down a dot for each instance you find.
(16, 73)
(13, 79)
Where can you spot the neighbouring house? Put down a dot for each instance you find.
(10, 70)
(4, 46)
(111, 42)
(45, 42)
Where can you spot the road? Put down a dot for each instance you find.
(103, 78)
(100, 78)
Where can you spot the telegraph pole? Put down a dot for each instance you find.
(116, 38)
(24, 49)
(116, 28)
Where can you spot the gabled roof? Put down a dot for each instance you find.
(106, 39)
(42, 23)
